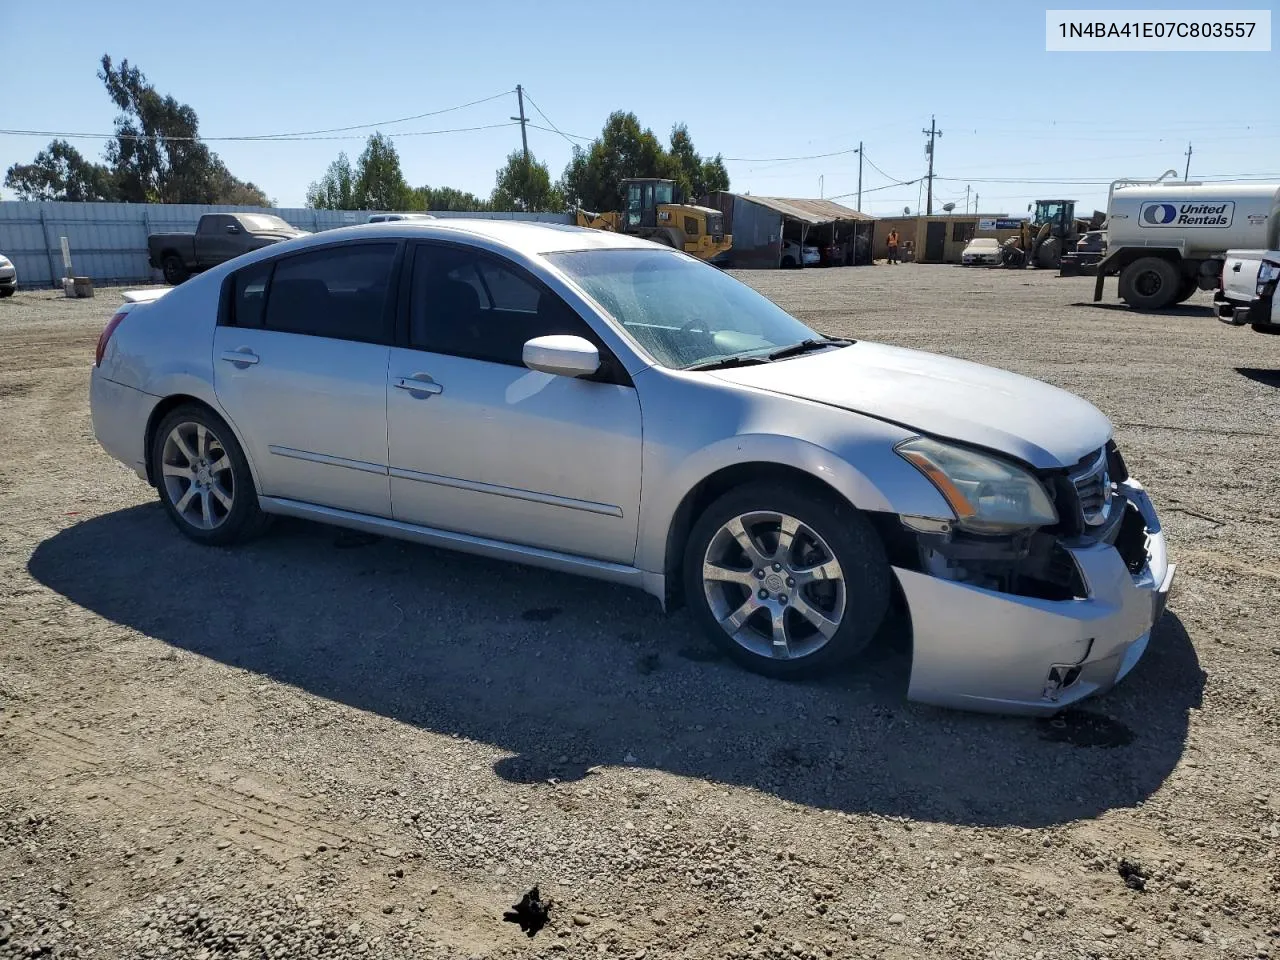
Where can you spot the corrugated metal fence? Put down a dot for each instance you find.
(109, 240)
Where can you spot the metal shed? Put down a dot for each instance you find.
(759, 226)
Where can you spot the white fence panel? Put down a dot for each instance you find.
(109, 240)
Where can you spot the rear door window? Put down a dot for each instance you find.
(340, 292)
(250, 295)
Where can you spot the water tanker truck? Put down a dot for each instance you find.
(1167, 240)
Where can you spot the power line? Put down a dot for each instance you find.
(276, 139)
(359, 126)
(812, 156)
(569, 139)
(294, 135)
(882, 173)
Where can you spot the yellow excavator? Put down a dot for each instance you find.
(654, 211)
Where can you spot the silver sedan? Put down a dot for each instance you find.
(597, 404)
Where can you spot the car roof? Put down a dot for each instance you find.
(527, 237)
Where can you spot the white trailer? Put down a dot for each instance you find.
(1167, 240)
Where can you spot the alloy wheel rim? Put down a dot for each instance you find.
(774, 585)
(197, 475)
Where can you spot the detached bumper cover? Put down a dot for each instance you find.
(977, 649)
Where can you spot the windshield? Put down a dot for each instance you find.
(262, 221)
(664, 193)
(681, 311)
(984, 242)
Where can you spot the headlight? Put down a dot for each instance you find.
(988, 495)
(1266, 273)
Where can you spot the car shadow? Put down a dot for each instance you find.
(1268, 378)
(1180, 310)
(565, 674)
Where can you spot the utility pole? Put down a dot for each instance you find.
(820, 187)
(933, 133)
(858, 207)
(966, 198)
(975, 204)
(524, 133)
(1187, 172)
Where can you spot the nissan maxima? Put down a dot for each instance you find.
(594, 403)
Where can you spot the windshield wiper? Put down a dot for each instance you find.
(741, 360)
(804, 346)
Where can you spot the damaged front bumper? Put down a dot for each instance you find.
(980, 649)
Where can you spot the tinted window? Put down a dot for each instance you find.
(470, 305)
(214, 223)
(250, 295)
(340, 293)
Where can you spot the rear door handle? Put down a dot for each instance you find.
(242, 357)
(418, 383)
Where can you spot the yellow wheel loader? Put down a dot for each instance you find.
(654, 211)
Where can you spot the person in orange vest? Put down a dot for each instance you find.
(892, 240)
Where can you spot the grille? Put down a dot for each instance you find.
(1093, 490)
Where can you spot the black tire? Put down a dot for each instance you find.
(1151, 283)
(788, 263)
(175, 271)
(244, 520)
(1187, 290)
(7, 291)
(1049, 255)
(1272, 328)
(850, 539)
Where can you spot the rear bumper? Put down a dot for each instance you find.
(120, 416)
(977, 649)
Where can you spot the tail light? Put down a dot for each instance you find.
(105, 336)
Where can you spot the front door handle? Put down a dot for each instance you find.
(241, 358)
(1236, 268)
(419, 383)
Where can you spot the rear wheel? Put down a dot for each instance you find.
(203, 478)
(790, 583)
(788, 262)
(175, 271)
(1187, 289)
(1150, 283)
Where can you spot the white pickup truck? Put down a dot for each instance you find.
(1247, 290)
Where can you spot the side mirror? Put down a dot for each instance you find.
(232, 228)
(561, 354)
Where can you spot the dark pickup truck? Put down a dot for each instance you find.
(218, 238)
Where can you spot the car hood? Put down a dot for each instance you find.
(954, 399)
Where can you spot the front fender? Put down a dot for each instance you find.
(849, 452)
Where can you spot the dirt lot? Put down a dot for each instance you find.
(324, 746)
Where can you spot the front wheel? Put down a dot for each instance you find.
(7, 291)
(1150, 283)
(203, 478)
(790, 583)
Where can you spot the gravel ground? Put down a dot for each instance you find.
(324, 745)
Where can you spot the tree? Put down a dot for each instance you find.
(60, 172)
(623, 149)
(697, 176)
(445, 198)
(524, 184)
(336, 189)
(379, 182)
(157, 156)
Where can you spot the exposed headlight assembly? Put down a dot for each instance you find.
(1268, 274)
(988, 495)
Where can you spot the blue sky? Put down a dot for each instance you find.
(754, 80)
